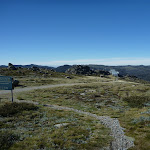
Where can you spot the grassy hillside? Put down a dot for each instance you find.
(129, 102)
(32, 126)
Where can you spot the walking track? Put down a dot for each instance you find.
(37, 87)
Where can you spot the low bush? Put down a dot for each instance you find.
(7, 139)
(142, 120)
(137, 101)
(9, 109)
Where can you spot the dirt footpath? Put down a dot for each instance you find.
(37, 87)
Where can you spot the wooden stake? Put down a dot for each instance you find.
(12, 95)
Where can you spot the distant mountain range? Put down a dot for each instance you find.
(141, 71)
(28, 66)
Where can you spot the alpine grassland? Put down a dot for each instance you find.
(31, 122)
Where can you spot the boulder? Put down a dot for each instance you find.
(67, 77)
(11, 67)
(61, 125)
(52, 70)
(15, 83)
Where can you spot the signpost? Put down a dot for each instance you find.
(6, 84)
(114, 73)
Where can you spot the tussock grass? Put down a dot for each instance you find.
(37, 130)
(137, 101)
(122, 100)
(7, 139)
(10, 109)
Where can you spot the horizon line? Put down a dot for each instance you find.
(132, 61)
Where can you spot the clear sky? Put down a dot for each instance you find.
(58, 32)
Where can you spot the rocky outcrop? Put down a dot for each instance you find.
(80, 70)
(11, 67)
(34, 68)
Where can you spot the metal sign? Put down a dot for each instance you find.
(114, 72)
(5, 83)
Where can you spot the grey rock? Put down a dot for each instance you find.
(60, 125)
(11, 67)
(67, 77)
(15, 83)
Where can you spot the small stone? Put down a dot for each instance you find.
(83, 94)
(60, 125)
(67, 77)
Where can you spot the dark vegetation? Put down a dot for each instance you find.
(10, 109)
(11, 112)
(7, 139)
(38, 130)
(137, 101)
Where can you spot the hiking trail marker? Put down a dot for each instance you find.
(6, 84)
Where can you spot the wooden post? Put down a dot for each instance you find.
(12, 95)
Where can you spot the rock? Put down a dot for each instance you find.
(42, 72)
(67, 77)
(52, 70)
(11, 66)
(102, 76)
(83, 94)
(15, 83)
(91, 90)
(60, 125)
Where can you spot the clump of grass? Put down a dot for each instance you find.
(142, 121)
(9, 109)
(137, 101)
(7, 139)
(20, 98)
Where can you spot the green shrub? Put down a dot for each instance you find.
(142, 121)
(7, 139)
(10, 109)
(137, 101)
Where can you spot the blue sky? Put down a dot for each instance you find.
(57, 32)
